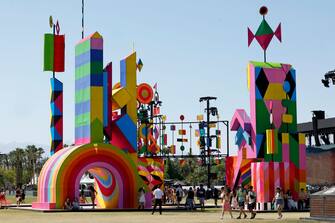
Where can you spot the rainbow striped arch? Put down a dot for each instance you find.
(115, 173)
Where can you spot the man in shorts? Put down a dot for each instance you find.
(241, 195)
(251, 202)
(201, 193)
(179, 195)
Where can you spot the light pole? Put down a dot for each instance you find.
(208, 110)
(330, 75)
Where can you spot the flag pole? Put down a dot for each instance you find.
(53, 69)
(82, 19)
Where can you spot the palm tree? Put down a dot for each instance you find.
(16, 160)
(33, 161)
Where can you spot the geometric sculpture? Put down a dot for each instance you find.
(89, 90)
(105, 138)
(54, 54)
(56, 105)
(275, 155)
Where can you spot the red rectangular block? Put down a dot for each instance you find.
(59, 53)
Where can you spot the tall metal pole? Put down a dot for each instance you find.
(227, 130)
(208, 149)
(207, 99)
(53, 69)
(82, 19)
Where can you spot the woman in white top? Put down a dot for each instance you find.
(141, 198)
(279, 199)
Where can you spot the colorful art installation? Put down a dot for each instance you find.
(105, 136)
(151, 170)
(54, 56)
(270, 151)
(56, 105)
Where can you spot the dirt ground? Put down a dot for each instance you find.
(211, 216)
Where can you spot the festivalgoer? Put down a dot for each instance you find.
(158, 195)
(233, 199)
(308, 197)
(216, 196)
(141, 198)
(3, 199)
(226, 198)
(179, 194)
(93, 194)
(67, 204)
(279, 201)
(190, 199)
(302, 198)
(23, 196)
(18, 196)
(75, 205)
(290, 202)
(201, 194)
(251, 196)
(241, 195)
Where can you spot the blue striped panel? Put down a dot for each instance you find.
(83, 107)
(123, 68)
(89, 56)
(83, 132)
(82, 83)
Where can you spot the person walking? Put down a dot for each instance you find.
(141, 198)
(241, 196)
(251, 196)
(93, 194)
(216, 196)
(302, 198)
(279, 201)
(190, 199)
(3, 200)
(18, 196)
(201, 194)
(158, 195)
(179, 194)
(226, 198)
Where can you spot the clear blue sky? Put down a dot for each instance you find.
(190, 48)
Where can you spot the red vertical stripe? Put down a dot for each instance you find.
(282, 174)
(271, 180)
(59, 47)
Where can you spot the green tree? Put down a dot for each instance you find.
(16, 160)
(33, 157)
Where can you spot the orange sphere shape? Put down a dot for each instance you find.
(144, 93)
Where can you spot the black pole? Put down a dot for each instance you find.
(227, 130)
(208, 111)
(82, 19)
(190, 139)
(53, 69)
(208, 150)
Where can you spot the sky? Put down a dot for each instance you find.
(191, 48)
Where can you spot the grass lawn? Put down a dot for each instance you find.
(211, 216)
(12, 199)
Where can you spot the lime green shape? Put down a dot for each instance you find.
(48, 52)
(82, 119)
(83, 95)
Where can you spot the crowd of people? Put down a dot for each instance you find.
(240, 198)
(76, 203)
